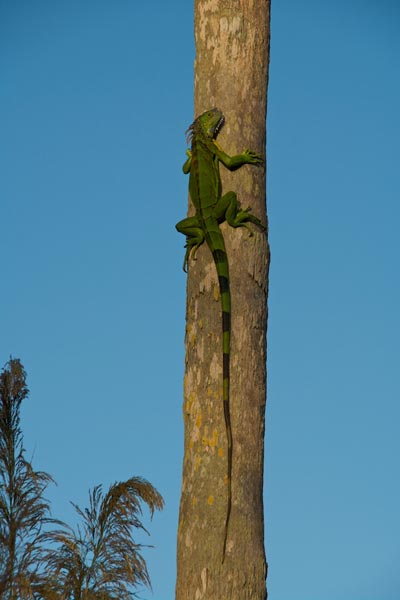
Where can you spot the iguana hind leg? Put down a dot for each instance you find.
(228, 209)
(194, 237)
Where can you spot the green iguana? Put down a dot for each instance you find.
(211, 210)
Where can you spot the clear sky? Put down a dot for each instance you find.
(95, 97)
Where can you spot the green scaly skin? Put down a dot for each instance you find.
(211, 210)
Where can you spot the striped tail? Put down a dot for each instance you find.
(221, 263)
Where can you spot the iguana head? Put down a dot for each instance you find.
(209, 123)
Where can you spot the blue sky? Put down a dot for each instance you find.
(95, 97)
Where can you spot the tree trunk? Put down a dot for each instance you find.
(231, 73)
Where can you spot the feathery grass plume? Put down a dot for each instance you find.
(99, 560)
(23, 509)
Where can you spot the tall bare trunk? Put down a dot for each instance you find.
(231, 73)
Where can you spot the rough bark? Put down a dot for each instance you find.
(231, 73)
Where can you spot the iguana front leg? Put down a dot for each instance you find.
(188, 163)
(247, 157)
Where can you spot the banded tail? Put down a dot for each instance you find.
(221, 263)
